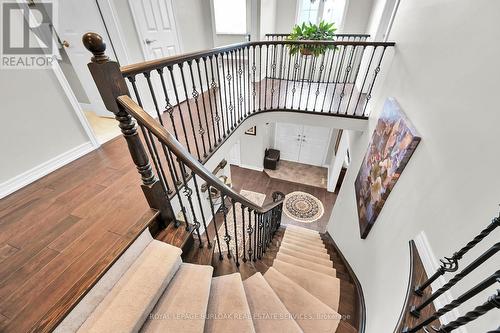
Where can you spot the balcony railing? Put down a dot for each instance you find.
(199, 99)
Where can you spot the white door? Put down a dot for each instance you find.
(302, 144)
(288, 140)
(314, 145)
(234, 154)
(155, 25)
(73, 23)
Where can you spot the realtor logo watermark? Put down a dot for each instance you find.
(28, 35)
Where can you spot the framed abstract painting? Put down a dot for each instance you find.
(392, 144)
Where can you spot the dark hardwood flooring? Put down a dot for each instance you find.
(59, 234)
(260, 182)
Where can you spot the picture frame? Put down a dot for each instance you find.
(393, 142)
(251, 131)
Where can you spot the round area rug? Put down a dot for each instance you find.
(303, 207)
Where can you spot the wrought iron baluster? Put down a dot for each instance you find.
(235, 110)
(205, 109)
(254, 92)
(266, 75)
(337, 79)
(375, 74)
(471, 267)
(227, 237)
(273, 71)
(214, 222)
(488, 282)
(311, 79)
(364, 80)
(225, 129)
(250, 230)
(243, 232)
(328, 77)
(196, 95)
(347, 71)
(451, 264)
(204, 221)
(296, 68)
(255, 235)
(190, 112)
(354, 84)
(303, 79)
(210, 88)
(260, 76)
(288, 76)
(280, 75)
(233, 202)
(320, 72)
(492, 303)
(176, 94)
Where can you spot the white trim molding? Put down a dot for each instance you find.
(431, 264)
(43, 169)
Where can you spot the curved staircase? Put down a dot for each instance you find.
(298, 292)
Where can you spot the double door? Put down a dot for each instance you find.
(302, 143)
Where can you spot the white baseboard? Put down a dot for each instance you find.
(43, 169)
(431, 264)
(251, 167)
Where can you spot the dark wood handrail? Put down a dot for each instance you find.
(178, 150)
(146, 66)
(338, 35)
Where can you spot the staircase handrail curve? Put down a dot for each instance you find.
(164, 136)
(150, 65)
(282, 34)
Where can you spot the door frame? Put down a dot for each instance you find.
(138, 32)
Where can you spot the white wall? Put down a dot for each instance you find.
(193, 24)
(267, 17)
(286, 13)
(40, 125)
(356, 17)
(450, 189)
(252, 147)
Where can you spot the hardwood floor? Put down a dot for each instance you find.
(60, 233)
(260, 182)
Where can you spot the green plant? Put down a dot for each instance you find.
(321, 31)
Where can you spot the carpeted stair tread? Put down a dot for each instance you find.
(301, 230)
(319, 255)
(187, 293)
(311, 249)
(227, 297)
(311, 252)
(312, 246)
(268, 312)
(144, 282)
(316, 258)
(301, 234)
(306, 264)
(302, 305)
(323, 287)
(317, 242)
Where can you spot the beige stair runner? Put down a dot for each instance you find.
(306, 264)
(324, 287)
(183, 305)
(131, 300)
(313, 258)
(159, 293)
(269, 314)
(309, 251)
(310, 313)
(228, 309)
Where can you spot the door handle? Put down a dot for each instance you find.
(149, 41)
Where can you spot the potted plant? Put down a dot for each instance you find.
(321, 31)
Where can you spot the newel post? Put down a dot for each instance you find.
(111, 84)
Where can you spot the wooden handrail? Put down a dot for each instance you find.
(146, 66)
(336, 35)
(193, 164)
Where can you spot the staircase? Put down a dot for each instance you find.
(299, 292)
